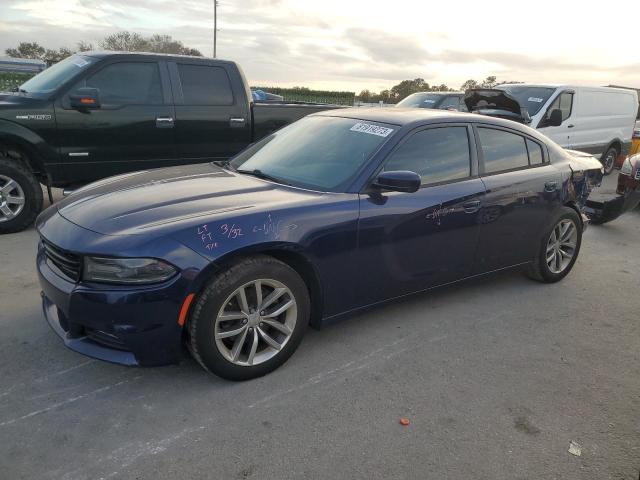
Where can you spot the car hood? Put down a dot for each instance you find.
(495, 102)
(141, 202)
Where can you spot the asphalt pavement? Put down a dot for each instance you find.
(497, 377)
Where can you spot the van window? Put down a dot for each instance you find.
(437, 155)
(535, 153)
(205, 85)
(450, 102)
(502, 150)
(563, 102)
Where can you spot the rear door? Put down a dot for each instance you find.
(130, 131)
(213, 120)
(523, 189)
(412, 241)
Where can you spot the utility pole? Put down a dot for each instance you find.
(215, 26)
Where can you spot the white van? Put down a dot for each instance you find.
(596, 120)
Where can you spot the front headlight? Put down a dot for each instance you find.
(126, 270)
(626, 168)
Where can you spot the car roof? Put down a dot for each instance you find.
(108, 53)
(419, 116)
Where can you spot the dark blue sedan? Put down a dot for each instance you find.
(332, 214)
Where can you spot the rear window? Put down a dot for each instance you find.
(205, 85)
(502, 150)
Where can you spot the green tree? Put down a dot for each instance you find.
(134, 42)
(489, 82)
(365, 96)
(31, 50)
(468, 85)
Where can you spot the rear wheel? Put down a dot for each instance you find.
(20, 195)
(249, 320)
(559, 248)
(608, 159)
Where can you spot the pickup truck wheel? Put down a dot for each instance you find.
(250, 319)
(609, 160)
(20, 196)
(559, 248)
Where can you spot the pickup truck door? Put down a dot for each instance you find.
(213, 115)
(132, 129)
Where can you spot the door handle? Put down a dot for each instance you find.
(471, 207)
(550, 186)
(570, 126)
(236, 122)
(164, 122)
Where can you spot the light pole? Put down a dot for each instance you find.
(215, 26)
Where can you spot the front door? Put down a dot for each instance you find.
(563, 133)
(132, 129)
(412, 241)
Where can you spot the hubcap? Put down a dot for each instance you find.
(255, 322)
(12, 198)
(609, 161)
(561, 246)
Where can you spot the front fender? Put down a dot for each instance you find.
(34, 146)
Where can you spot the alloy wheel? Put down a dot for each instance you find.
(255, 322)
(609, 161)
(561, 246)
(12, 198)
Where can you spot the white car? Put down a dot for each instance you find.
(596, 120)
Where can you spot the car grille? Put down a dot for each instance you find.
(104, 338)
(68, 263)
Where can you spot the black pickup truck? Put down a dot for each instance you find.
(98, 114)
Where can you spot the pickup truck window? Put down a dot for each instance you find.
(320, 153)
(205, 85)
(53, 77)
(128, 83)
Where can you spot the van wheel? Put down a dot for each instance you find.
(20, 195)
(559, 248)
(608, 160)
(250, 319)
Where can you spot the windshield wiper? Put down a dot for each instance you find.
(265, 176)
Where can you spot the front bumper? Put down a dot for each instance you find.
(137, 326)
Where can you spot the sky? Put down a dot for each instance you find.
(352, 45)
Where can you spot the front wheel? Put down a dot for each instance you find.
(250, 319)
(559, 248)
(20, 195)
(609, 160)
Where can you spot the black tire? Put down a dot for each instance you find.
(17, 171)
(203, 317)
(539, 269)
(608, 159)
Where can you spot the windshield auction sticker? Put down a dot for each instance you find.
(371, 129)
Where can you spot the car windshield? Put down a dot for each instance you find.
(320, 153)
(54, 76)
(421, 100)
(532, 98)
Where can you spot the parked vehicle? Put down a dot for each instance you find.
(437, 100)
(605, 208)
(595, 120)
(337, 212)
(99, 114)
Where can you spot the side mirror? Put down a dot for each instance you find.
(85, 98)
(398, 181)
(555, 119)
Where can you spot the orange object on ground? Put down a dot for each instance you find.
(404, 421)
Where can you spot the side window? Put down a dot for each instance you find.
(563, 102)
(437, 155)
(502, 150)
(535, 153)
(205, 85)
(450, 103)
(128, 83)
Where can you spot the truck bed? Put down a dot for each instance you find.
(270, 116)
